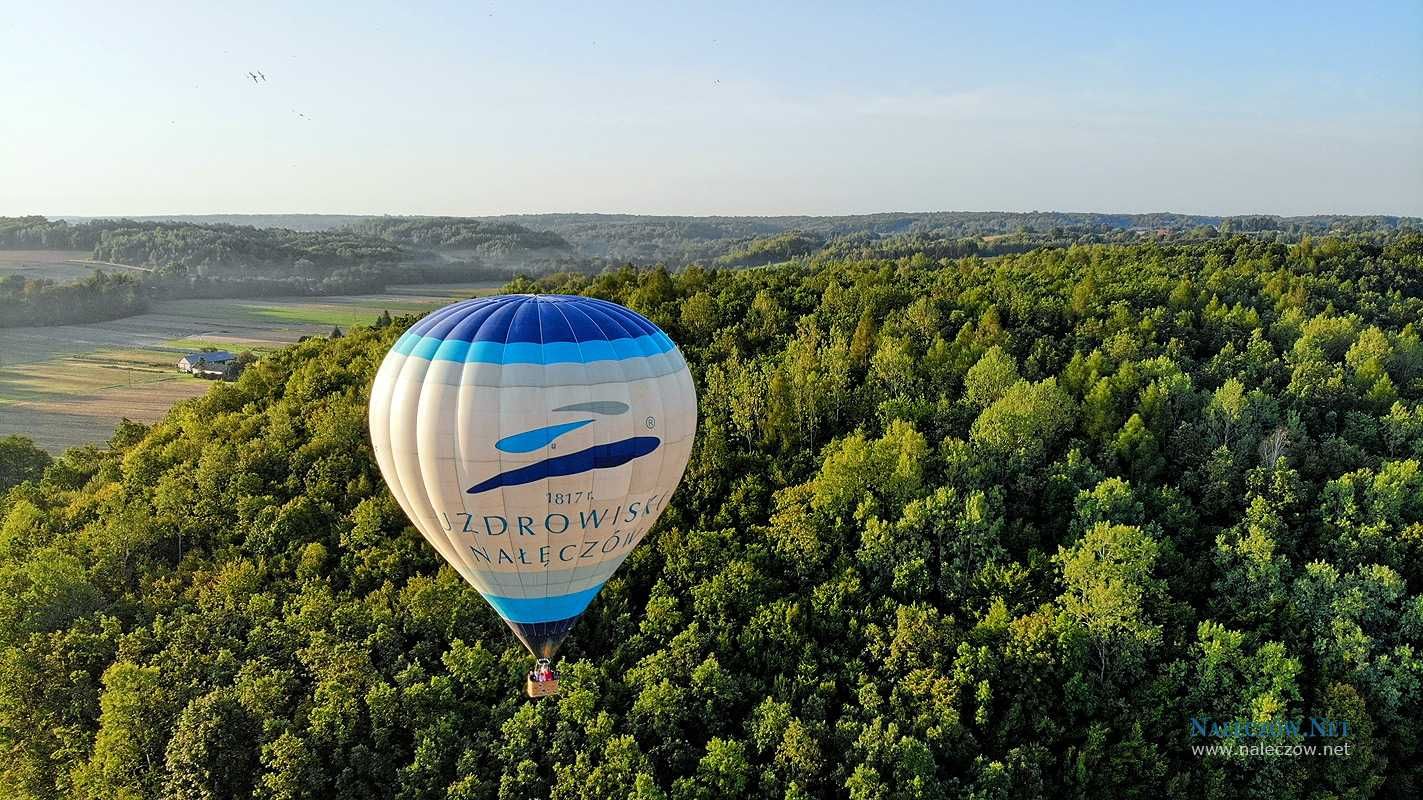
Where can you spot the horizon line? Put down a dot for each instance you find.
(1395, 215)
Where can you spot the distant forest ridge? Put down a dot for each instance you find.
(234, 255)
(678, 241)
(163, 243)
(888, 221)
(184, 259)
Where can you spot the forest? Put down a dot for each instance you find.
(186, 260)
(179, 248)
(313, 254)
(31, 301)
(987, 528)
(461, 233)
(680, 241)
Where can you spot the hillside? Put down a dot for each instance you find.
(685, 240)
(295, 222)
(461, 233)
(961, 527)
(677, 241)
(212, 260)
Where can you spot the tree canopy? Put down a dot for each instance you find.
(952, 527)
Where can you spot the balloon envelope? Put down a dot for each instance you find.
(534, 440)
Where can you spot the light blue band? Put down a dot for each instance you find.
(543, 609)
(530, 353)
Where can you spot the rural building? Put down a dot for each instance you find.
(218, 360)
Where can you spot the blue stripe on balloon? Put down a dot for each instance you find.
(543, 609)
(603, 456)
(436, 349)
(529, 441)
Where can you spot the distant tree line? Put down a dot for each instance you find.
(36, 301)
(209, 250)
(485, 237)
(214, 261)
(221, 260)
(678, 241)
(40, 233)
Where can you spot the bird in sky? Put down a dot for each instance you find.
(253, 76)
(260, 75)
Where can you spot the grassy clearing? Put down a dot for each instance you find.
(321, 314)
(198, 343)
(87, 373)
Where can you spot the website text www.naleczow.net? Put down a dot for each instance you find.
(1270, 738)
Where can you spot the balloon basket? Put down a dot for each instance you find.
(537, 689)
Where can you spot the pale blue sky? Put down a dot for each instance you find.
(730, 108)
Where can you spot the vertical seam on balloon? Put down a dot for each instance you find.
(588, 395)
(481, 583)
(396, 492)
(518, 573)
(578, 567)
(465, 554)
(527, 631)
(493, 583)
(463, 560)
(458, 452)
(543, 379)
(423, 500)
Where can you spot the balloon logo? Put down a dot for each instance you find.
(534, 440)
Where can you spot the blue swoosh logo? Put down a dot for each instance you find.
(603, 456)
(529, 441)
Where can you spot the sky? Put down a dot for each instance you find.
(474, 108)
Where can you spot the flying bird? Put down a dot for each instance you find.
(253, 76)
(260, 75)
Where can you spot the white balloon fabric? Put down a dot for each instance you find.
(534, 440)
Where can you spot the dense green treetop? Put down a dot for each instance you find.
(39, 301)
(178, 247)
(970, 527)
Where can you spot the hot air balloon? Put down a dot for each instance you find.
(534, 440)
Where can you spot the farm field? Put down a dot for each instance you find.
(69, 385)
(49, 264)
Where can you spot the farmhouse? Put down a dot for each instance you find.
(216, 360)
